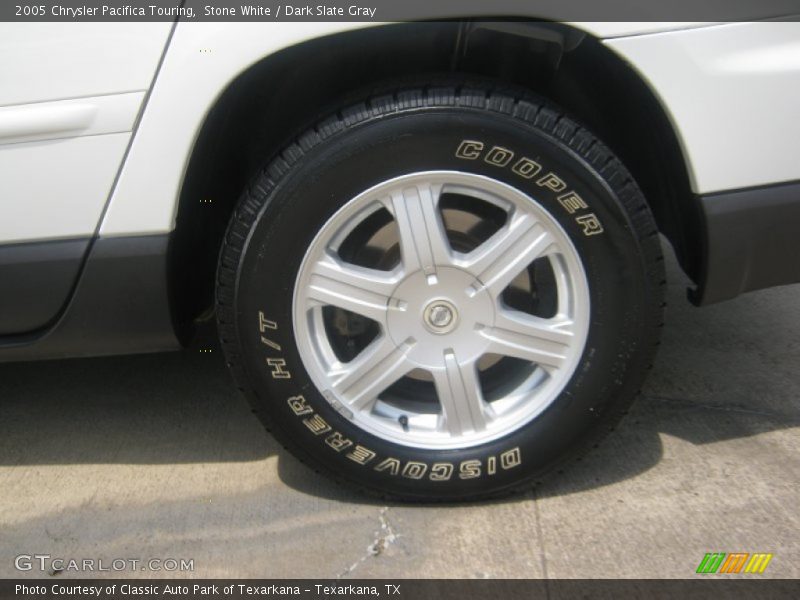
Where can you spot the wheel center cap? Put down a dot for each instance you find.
(440, 316)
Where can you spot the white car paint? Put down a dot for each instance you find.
(69, 99)
(58, 161)
(733, 95)
(52, 61)
(57, 188)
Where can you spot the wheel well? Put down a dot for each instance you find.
(274, 99)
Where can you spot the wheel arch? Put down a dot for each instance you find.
(259, 111)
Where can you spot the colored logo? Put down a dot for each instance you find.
(734, 562)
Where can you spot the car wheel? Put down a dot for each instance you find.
(441, 293)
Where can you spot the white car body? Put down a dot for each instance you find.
(99, 121)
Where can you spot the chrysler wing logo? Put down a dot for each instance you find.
(734, 562)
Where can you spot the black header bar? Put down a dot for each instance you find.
(394, 10)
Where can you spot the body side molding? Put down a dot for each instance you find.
(751, 241)
(120, 306)
(36, 279)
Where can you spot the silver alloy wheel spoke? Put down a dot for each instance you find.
(546, 342)
(423, 240)
(377, 367)
(459, 390)
(508, 252)
(363, 291)
(419, 378)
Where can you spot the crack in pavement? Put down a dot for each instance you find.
(384, 537)
(540, 535)
(736, 409)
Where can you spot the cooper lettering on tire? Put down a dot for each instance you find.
(457, 290)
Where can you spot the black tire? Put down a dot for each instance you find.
(420, 129)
